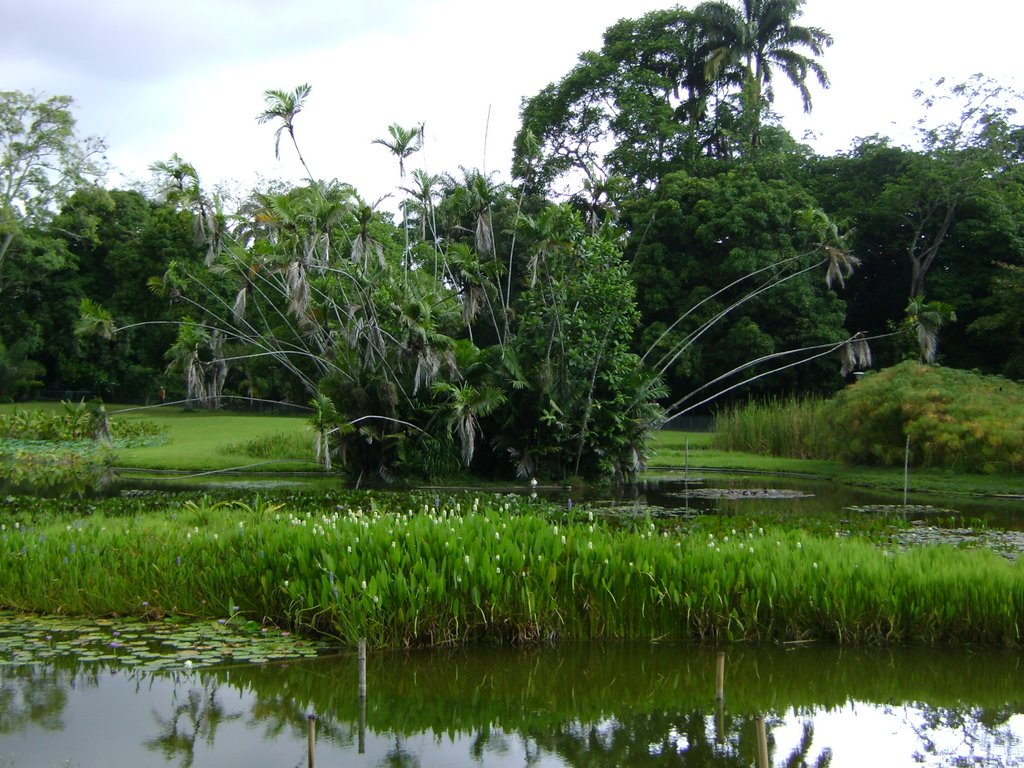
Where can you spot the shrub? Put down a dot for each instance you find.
(954, 419)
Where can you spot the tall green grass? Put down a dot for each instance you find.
(791, 427)
(435, 571)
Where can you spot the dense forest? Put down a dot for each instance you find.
(664, 247)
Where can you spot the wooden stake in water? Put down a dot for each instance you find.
(311, 740)
(362, 696)
(762, 744)
(906, 471)
(361, 740)
(362, 668)
(720, 677)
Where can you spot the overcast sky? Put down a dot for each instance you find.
(155, 77)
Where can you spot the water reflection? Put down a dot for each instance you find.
(574, 705)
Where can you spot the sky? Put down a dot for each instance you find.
(154, 77)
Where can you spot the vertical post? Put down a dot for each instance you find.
(362, 668)
(362, 696)
(720, 677)
(906, 471)
(311, 740)
(762, 744)
(361, 740)
(720, 699)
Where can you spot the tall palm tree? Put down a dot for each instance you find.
(748, 44)
(403, 143)
(284, 106)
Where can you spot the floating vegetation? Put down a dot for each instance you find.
(907, 510)
(747, 493)
(150, 645)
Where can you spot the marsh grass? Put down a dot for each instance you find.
(425, 570)
(280, 445)
(790, 427)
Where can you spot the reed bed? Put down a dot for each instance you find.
(791, 427)
(448, 570)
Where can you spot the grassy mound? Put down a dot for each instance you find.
(954, 419)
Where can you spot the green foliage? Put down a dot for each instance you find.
(776, 427)
(281, 445)
(76, 421)
(668, 90)
(730, 271)
(955, 419)
(405, 571)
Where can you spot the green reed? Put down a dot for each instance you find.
(789, 427)
(437, 571)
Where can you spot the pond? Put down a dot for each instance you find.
(593, 704)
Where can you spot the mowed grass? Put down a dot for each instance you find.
(674, 450)
(210, 440)
(215, 440)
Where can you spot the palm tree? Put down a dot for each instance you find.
(465, 404)
(425, 190)
(404, 142)
(924, 319)
(284, 106)
(747, 45)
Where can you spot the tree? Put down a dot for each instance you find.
(284, 106)
(750, 42)
(669, 89)
(961, 158)
(728, 271)
(403, 143)
(42, 160)
(1005, 320)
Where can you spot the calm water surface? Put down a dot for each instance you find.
(582, 704)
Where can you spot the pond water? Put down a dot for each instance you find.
(569, 705)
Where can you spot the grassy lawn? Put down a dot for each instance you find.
(206, 441)
(675, 450)
(203, 440)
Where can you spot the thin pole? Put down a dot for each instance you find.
(720, 677)
(762, 744)
(906, 471)
(362, 696)
(311, 740)
(362, 668)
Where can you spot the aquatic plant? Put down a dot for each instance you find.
(422, 570)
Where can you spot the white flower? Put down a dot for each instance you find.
(188, 663)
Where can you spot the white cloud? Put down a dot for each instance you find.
(160, 77)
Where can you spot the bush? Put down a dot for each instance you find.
(954, 419)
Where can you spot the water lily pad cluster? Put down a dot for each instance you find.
(147, 645)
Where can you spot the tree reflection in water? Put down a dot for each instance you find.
(638, 705)
(972, 736)
(199, 715)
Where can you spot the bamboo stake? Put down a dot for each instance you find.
(762, 744)
(311, 740)
(720, 677)
(362, 668)
(362, 696)
(906, 471)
